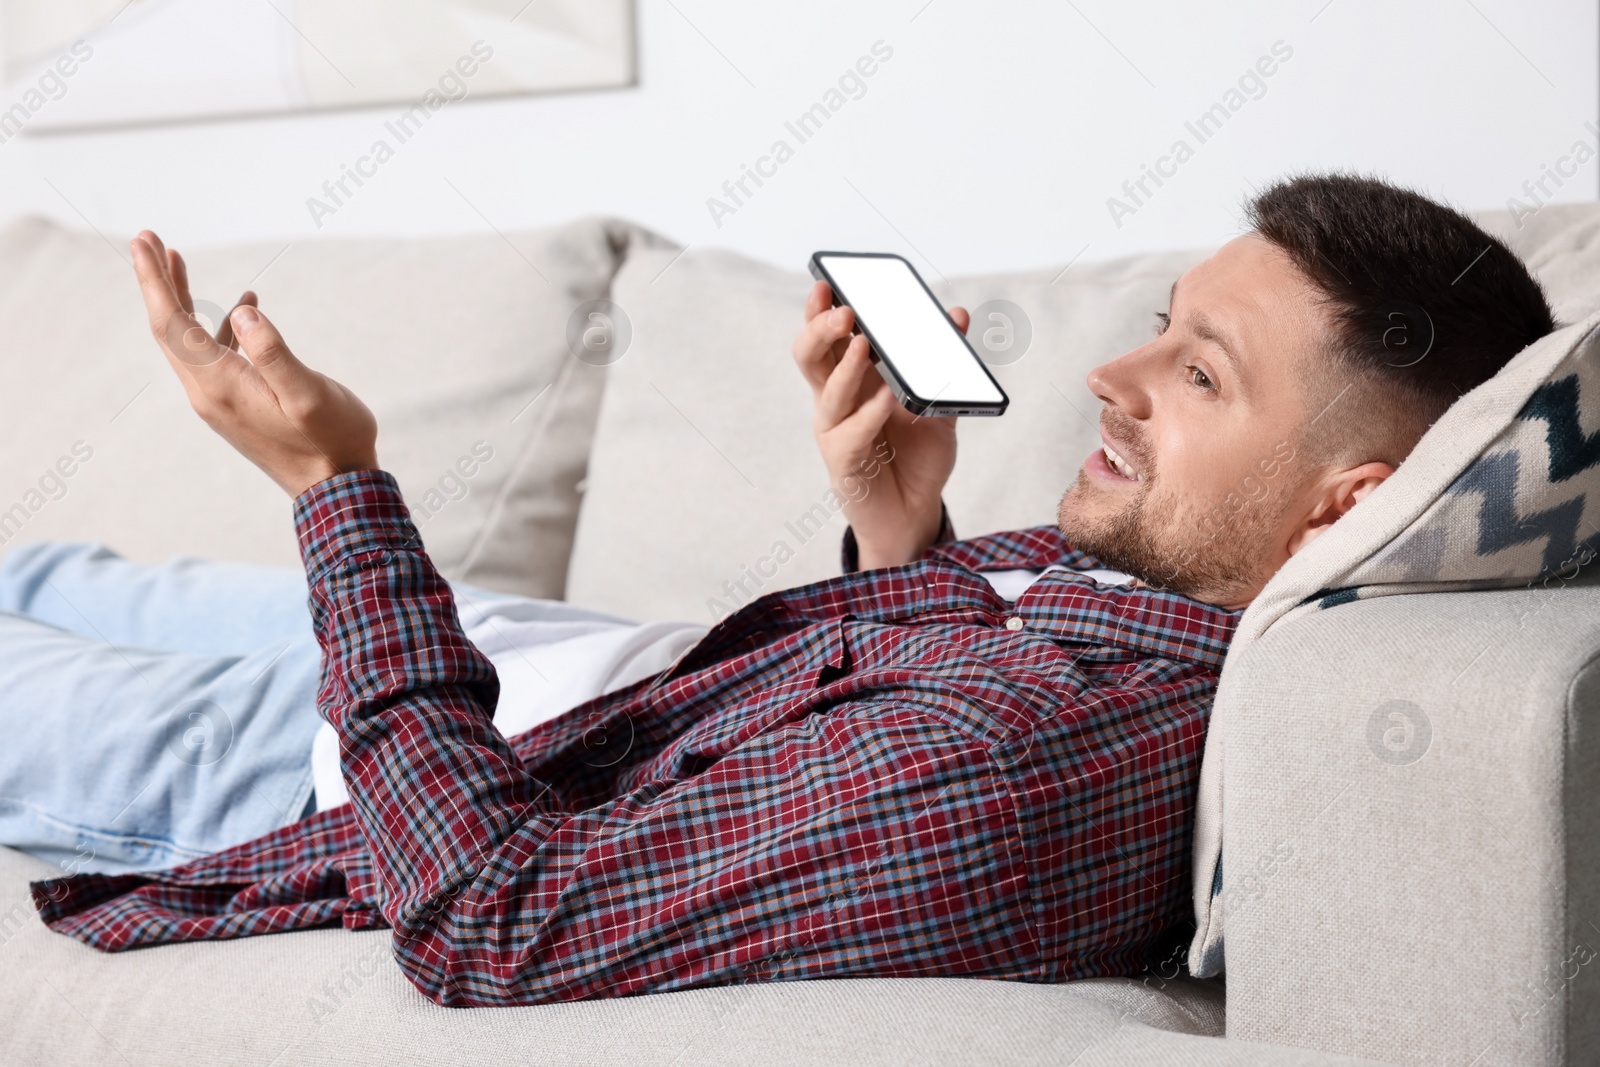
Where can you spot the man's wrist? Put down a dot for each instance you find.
(302, 482)
(872, 558)
(947, 529)
(856, 556)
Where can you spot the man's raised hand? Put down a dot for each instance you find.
(299, 426)
(888, 465)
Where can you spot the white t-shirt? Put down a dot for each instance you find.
(1013, 583)
(552, 656)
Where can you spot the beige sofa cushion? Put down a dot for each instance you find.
(457, 343)
(326, 997)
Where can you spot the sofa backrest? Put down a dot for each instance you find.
(459, 344)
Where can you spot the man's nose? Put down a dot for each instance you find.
(1125, 382)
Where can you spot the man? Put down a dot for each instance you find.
(960, 758)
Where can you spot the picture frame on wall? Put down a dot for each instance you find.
(109, 63)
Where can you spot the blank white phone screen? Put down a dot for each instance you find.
(910, 329)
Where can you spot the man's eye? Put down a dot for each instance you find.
(1163, 322)
(1202, 379)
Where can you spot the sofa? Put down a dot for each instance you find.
(649, 451)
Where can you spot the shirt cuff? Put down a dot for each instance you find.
(850, 552)
(351, 513)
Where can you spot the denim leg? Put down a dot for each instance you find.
(150, 715)
(183, 605)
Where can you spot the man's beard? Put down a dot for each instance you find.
(1212, 554)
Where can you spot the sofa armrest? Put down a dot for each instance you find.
(1411, 829)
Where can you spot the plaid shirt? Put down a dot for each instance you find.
(895, 772)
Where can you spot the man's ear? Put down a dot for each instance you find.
(1340, 491)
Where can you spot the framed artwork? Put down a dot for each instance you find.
(93, 63)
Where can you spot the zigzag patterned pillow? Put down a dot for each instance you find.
(1526, 509)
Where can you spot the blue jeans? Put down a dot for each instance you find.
(150, 715)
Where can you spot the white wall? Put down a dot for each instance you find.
(991, 139)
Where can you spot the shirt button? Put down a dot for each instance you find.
(1014, 623)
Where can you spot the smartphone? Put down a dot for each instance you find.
(917, 349)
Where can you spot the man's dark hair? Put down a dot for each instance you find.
(1426, 305)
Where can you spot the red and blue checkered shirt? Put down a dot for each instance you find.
(896, 772)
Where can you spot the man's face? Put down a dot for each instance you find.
(1206, 421)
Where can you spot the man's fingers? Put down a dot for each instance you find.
(288, 378)
(225, 336)
(159, 249)
(961, 318)
(180, 279)
(841, 394)
(180, 334)
(861, 428)
(818, 347)
(155, 280)
(820, 299)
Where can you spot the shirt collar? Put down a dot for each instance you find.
(1066, 607)
(1075, 608)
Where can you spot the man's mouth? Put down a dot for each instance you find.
(1118, 464)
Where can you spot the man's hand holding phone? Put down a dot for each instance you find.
(858, 421)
